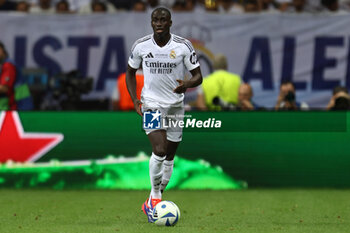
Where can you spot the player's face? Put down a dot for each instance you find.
(161, 22)
(244, 93)
(285, 88)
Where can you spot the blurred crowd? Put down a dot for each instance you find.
(226, 91)
(233, 94)
(238, 95)
(214, 6)
(220, 91)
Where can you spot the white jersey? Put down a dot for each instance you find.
(162, 66)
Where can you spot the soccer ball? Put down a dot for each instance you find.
(166, 213)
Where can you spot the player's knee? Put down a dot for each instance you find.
(160, 150)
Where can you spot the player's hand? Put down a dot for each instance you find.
(246, 105)
(181, 88)
(137, 106)
(331, 103)
(280, 99)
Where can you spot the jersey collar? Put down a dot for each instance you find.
(170, 40)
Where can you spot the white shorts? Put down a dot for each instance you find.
(169, 115)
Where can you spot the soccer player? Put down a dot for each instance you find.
(164, 57)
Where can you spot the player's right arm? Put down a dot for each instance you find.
(131, 85)
(133, 64)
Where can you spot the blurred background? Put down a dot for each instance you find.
(71, 53)
(274, 72)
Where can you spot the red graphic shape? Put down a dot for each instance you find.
(16, 145)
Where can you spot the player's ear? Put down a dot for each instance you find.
(171, 23)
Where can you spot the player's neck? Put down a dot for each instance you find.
(161, 40)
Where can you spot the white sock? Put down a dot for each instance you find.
(167, 171)
(155, 173)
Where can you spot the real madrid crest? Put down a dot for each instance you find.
(172, 54)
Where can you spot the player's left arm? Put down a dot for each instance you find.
(192, 64)
(193, 82)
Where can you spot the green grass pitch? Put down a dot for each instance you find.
(250, 211)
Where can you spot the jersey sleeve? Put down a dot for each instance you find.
(190, 60)
(8, 75)
(135, 58)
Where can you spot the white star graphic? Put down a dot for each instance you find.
(156, 115)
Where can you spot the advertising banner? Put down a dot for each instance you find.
(310, 50)
(261, 148)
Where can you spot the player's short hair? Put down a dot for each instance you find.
(253, 2)
(162, 9)
(338, 89)
(63, 2)
(98, 3)
(285, 82)
(2, 46)
(220, 62)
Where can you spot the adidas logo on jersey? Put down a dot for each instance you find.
(150, 55)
